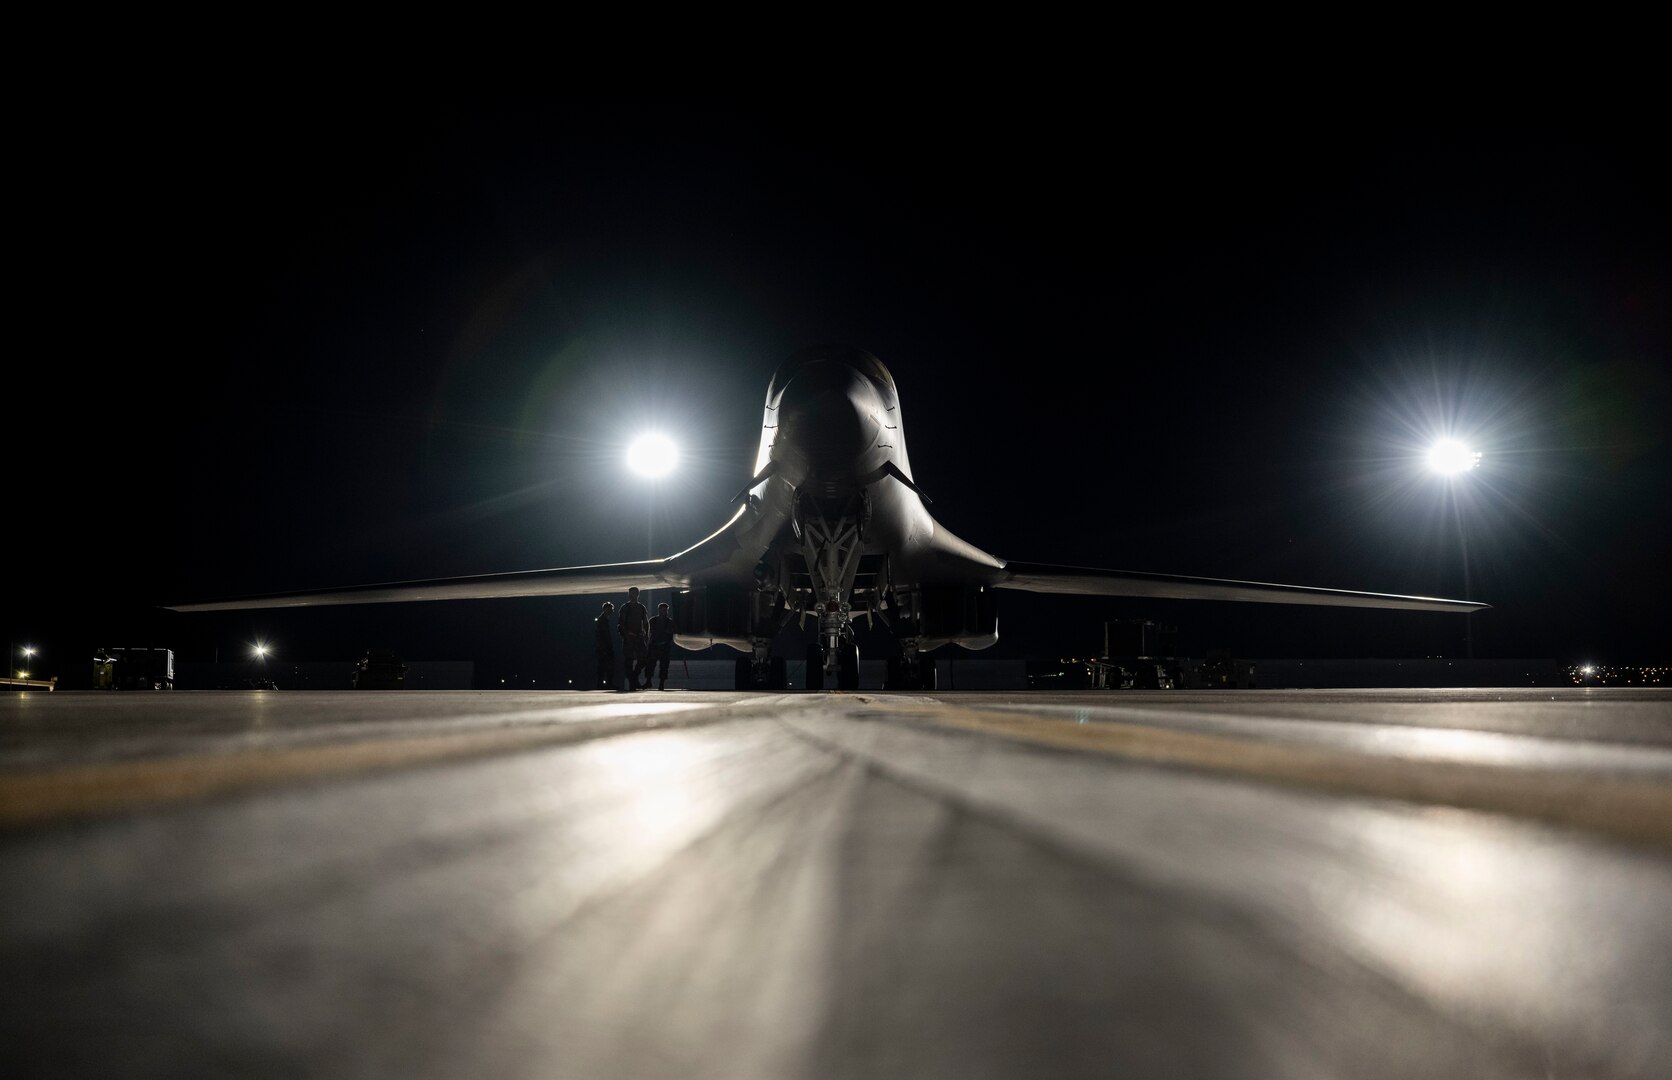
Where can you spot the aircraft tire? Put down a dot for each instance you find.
(745, 679)
(778, 676)
(815, 668)
(847, 673)
(910, 676)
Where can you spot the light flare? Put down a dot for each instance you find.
(652, 455)
(1450, 457)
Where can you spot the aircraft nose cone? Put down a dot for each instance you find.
(832, 414)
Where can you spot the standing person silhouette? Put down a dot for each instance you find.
(661, 647)
(605, 647)
(633, 625)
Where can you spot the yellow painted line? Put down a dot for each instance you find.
(1629, 808)
(33, 798)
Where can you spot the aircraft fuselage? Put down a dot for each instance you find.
(834, 526)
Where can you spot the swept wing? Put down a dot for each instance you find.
(1091, 581)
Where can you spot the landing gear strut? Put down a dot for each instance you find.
(911, 672)
(847, 665)
(831, 546)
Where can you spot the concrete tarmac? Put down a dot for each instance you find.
(1250, 884)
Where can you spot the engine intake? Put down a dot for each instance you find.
(966, 615)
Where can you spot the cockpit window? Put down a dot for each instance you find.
(825, 354)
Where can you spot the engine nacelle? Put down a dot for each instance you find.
(705, 615)
(966, 615)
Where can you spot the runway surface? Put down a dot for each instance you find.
(1469, 883)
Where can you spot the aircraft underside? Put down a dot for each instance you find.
(821, 574)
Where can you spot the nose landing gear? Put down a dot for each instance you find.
(847, 665)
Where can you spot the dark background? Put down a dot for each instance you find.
(279, 344)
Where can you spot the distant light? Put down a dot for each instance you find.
(1588, 669)
(29, 650)
(259, 649)
(1452, 456)
(652, 455)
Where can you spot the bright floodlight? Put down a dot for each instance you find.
(652, 455)
(1449, 456)
(259, 649)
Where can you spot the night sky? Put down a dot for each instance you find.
(287, 345)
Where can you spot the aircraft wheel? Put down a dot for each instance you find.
(815, 667)
(745, 674)
(895, 679)
(778, 674)
(924, 677)
(847, 673)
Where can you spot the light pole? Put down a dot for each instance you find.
(1455, 459)
(258, 652)
(652, 456)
